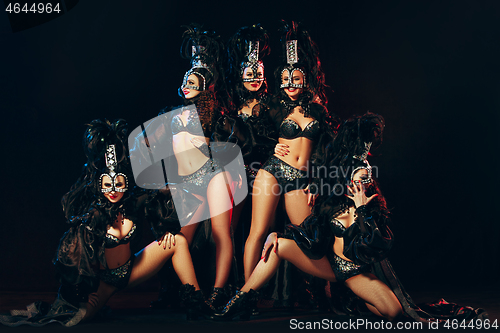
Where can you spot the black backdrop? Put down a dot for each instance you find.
(430, 68)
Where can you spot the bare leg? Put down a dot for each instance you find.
(288, 250)
(378, 296)
(189, 229)
(100, 297)
(220, 205)
(296, 206)
(236, 214)
(150, 260)
(146, 264)
(264, 203)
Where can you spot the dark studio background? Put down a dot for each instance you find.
(430, 68)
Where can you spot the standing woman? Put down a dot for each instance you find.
(339, 230)
(247, 120)
(191, 129)
(249, 101)
(303, 123)
(347, 238)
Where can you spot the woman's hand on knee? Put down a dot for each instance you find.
(270, 244)
(167, 240)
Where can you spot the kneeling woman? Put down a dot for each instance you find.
(346, 238)
(103, 235)
(94, 259)
(340, 239)
(334, 266)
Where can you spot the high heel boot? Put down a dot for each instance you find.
(195, 303)
(253, 299)
(238, 306)
(218, 299)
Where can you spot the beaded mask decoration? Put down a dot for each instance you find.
(195, 63)
(367, 165)
(111, 164)
(292, 58)
(252, 61)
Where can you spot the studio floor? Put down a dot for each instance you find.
(130, 311)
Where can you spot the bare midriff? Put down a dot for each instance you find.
(300, 148)
(299, 152)
(189, 158)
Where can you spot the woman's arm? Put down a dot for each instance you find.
(369, 239)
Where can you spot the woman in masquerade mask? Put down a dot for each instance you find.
(247, 119)
(346, 240)
(199, 171)
(105, 209)
(303, 125)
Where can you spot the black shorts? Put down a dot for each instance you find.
(344, 269)
(288, 177)
(118, 277)
(198, 181)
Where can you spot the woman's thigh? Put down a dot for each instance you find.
(374, 292)
(290, 251)
(265, 198)
(219, 195)
(296, 206)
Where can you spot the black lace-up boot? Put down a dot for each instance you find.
(238, 306)
(195, 303)
(218, 299)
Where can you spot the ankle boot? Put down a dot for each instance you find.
(253, 299)
(195, 303)
(238, 306)
(217, 299)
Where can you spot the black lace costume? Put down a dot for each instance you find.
(254, 134)
(321, 131)
(368, 240)
(80, 260)
(367, 243)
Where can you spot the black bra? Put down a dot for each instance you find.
(338, 228)
(289, 129)
(113, 241)
(193, 126)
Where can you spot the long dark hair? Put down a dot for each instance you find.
(339, 157)
(308, 61)
(86, 190)
(209, 50)
(237, 49)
